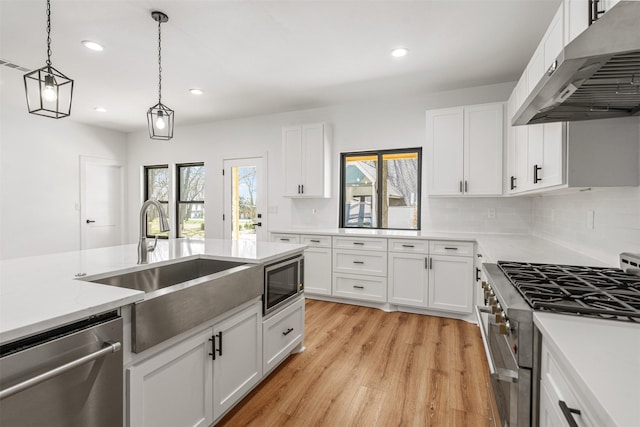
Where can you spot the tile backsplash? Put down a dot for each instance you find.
(600, 223)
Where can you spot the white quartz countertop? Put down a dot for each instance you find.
(43, 292)
(493, 247)
(604, 359)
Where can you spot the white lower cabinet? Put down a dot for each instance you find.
(282, 332)
(360, 287)
(184, 386)
(451, 283)
(317, 264)
(408, 278)
(557, 390)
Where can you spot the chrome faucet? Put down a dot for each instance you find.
(143, 248)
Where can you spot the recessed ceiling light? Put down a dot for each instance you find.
(196, 91)
(399, 52)
(92, 45)
(100, 109)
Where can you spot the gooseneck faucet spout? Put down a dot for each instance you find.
(143, 248)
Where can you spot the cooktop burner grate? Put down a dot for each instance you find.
(590, 291)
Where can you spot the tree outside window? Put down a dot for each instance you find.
(381, 189)
(190, 200)
(156, 186)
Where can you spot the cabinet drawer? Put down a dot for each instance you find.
(360, 243)
(360, 262)
(317, 241)
(451, 248)
(281, 333)
(366, 288)
(560, 388)
(409, 246)
(285, 238)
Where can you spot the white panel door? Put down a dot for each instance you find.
(483, 140)
(553, 166)
(317, 271)
(451, 283)
(292, 159)
(313, 160)
(238, 358)
(445, 146)
(173, 388)
(408, 277)
(101, 203)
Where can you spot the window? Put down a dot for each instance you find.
(381, 189)
(190, 200)
(156, 186)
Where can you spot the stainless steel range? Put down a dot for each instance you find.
(512, 344)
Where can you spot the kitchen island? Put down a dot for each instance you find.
(43, 292)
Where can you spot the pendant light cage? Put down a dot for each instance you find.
(160, 117)
(49, 92)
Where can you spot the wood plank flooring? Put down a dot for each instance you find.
(366, 367)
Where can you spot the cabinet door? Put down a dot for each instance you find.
(483, 140)
(292, 159)
(173, 388)
(521, 155)
(576, 18)
(313, 168)
(554, 39)
(408, 276)
(282, 332)
(553, 159)
(451, 283)
(445, 148)
(535, 69)
(317, 271)
(237, 366)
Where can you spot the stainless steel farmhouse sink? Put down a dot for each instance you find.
(184, 294)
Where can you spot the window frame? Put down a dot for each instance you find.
(179, 201)
(146, 191)
(380, 154)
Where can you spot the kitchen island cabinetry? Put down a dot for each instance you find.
(307, 160)
(196, 380)
(281, 333)
(464, 146)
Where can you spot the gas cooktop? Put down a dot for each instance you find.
(589, 291)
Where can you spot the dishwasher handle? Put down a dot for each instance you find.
(107, 347)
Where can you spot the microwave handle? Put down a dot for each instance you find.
(499, 374)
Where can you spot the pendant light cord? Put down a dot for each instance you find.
(159, 62)
(49, 33)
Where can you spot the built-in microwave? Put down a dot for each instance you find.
(283, 281)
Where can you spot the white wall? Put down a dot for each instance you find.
(395, 123)
(40, 179)
(616, 227)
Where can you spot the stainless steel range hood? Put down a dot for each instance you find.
(597, 75)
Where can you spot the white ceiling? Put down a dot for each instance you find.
(257, 57)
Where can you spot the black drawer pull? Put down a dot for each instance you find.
(448, 248)
(314, 241)
(288, 331)
(408, 246)
(358, 262)
(358, 243)
(358, 286)
(478, 271)
(284, 240)
(568, 413)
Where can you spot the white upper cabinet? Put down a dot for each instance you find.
(306, 152)
(464, 149)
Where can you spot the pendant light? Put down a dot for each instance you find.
(160, 117)
(49, 92)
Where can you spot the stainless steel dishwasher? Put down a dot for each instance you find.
(70, 376)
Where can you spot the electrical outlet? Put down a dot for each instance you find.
(491, 213)
(590, 219)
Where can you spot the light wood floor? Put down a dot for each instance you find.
(366, 367)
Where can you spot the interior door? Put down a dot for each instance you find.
(101, 203)
(245, 199)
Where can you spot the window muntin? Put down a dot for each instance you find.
(156, 186)
(381, 189)
(190, 200)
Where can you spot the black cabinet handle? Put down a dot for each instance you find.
(568, 413)
(358, 287)
(89, 221)
(466, 186)
(426, 263)
(284, 240)
(536, 169)
(408, 246)
(302, 188)
(478, 271)
(314, 241)
(513, 182)
(449, 248)
(288, 331)
(358, 262)
(220, 343)
(358, 243)
(461, 186)
(213, 347)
